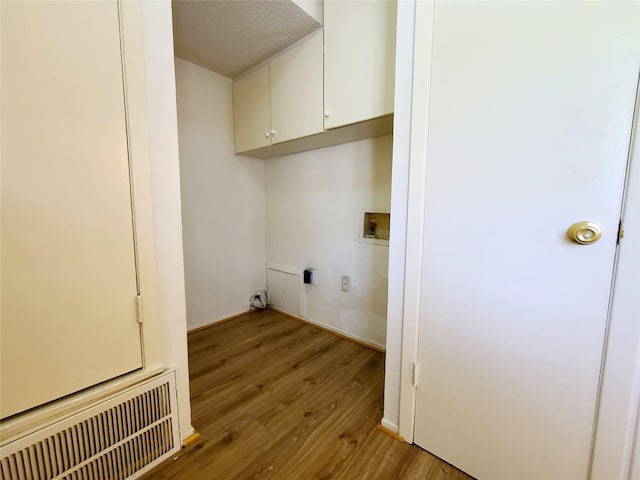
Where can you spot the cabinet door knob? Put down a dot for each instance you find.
(327, 114)
(273, 132)
(266, 134)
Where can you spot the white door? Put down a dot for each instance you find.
(68, 316)
(531, 107)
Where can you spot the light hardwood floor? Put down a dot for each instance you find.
(275, 398)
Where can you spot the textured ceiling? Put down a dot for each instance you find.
(231, 36)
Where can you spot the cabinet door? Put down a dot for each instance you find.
(359, 60)
(296, 90)
(252, 110)
(68, 314)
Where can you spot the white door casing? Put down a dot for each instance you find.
(529, 123)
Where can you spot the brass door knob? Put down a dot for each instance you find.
(584, 233)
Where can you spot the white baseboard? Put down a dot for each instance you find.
(184, 435)
(338, 331)
(347, 334)
(224, 319)
(390, 425)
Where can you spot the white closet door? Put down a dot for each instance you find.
(68, 267)
(531, 108)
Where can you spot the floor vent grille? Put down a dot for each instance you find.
(114, 440)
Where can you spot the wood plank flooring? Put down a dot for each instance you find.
(275, 398)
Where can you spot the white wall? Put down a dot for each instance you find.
(165, 179)
(314, 217)
(313, 8)
(222, 201)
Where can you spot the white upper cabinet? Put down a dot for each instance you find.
(339, 76)
(296, 90)
(252, 110)
(359, 60)
(282, 99)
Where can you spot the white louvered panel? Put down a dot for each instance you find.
(119, 438)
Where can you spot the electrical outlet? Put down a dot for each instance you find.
(345, 284)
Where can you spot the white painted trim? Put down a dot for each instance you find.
(140, 165)
(613, 455)
(187, 434)
(344, 333)
(399, 195)
(389, 425)
(634, 461)
(337, 330)
(416, 208)
(230, 316)
(158, 70)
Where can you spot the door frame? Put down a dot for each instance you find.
(619, 398)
